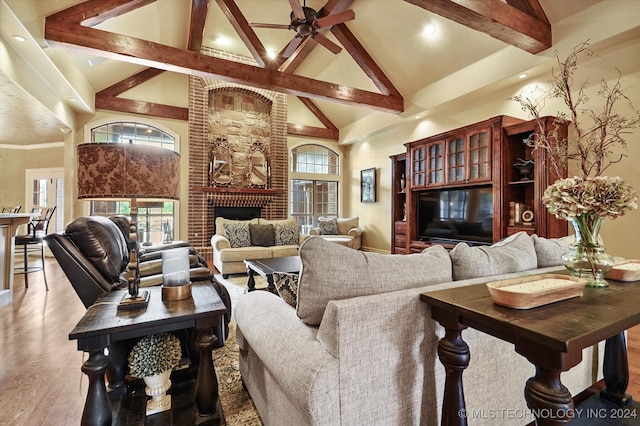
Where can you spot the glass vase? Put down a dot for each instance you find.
(586, 257)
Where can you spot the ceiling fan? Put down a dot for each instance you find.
(306, 22)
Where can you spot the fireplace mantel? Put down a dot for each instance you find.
(230, 190)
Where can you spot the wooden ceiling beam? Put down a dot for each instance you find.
(94, 12)
(246, 33)
(107, 98)
(130, 82)
(318, 113)
(72, 35)
(312, 132)
(330, 131)
(199, 10)
(530, 7)
(142, 107)
(364, 60)
(497, 19)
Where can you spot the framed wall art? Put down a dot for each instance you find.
(368, 185)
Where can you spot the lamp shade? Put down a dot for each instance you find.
(121, 170)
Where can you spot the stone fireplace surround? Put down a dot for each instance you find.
(202, 204)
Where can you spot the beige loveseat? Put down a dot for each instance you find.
(230, 260)
(346, 231)
(360, 348)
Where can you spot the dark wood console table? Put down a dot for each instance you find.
(551, 337)
(103, 326)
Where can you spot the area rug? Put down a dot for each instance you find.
(237, 405)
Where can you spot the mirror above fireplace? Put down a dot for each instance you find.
(220, 165)
(258, 176)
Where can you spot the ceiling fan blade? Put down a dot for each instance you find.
(297, 10)
(327, 43)
(293, 45)
(274, 26)
(336, 18)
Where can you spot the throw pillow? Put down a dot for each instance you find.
(287, 287)
(328, 226)
(238, 234)
(332, 272)
(261, 235)
(287, 235)
(549, 251)
(513, 254)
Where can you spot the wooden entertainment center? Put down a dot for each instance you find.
(472, 161)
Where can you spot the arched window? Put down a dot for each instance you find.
(315, 177)
(155, 220)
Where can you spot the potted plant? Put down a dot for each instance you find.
(152, 359)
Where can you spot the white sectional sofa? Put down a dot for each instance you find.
(360, 348)
(230, 260)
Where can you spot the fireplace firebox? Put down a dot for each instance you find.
(236, 213)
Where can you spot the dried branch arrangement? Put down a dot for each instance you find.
(598, 138)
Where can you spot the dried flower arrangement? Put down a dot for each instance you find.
(154, 354)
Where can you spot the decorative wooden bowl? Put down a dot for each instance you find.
(535, 290)
(627, 271)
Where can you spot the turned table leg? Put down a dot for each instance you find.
(206, 383)
(117, 370)
(97, 410)
(251, 282)
(271, 287)
(548, 398)
(454, 355)
(616, 371)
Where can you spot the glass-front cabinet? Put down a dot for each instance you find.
(479, 155)
(435, 152)
(456, 159)
(418, 166)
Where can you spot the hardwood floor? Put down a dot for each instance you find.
(40, 378)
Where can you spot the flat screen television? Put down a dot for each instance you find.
(451, 216)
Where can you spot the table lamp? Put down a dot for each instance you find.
(128, 171)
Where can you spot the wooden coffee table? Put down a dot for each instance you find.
(266, 268)
(103, 326)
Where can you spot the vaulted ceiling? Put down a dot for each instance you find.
(386, 71)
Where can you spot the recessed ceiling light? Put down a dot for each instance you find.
(271, 54)
(73, 100)
(19, 38)
(522, 76)
(429, 29)
(222, 41)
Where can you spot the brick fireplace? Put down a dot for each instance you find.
(237, 113)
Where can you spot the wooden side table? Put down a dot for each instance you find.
(587, 320)
(103, 325)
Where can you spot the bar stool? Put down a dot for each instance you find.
(33, 241)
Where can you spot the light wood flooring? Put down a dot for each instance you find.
(40, 378)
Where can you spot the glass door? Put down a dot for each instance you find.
(45, 188)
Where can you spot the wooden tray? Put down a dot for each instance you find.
(626, 271)
(535, 290)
